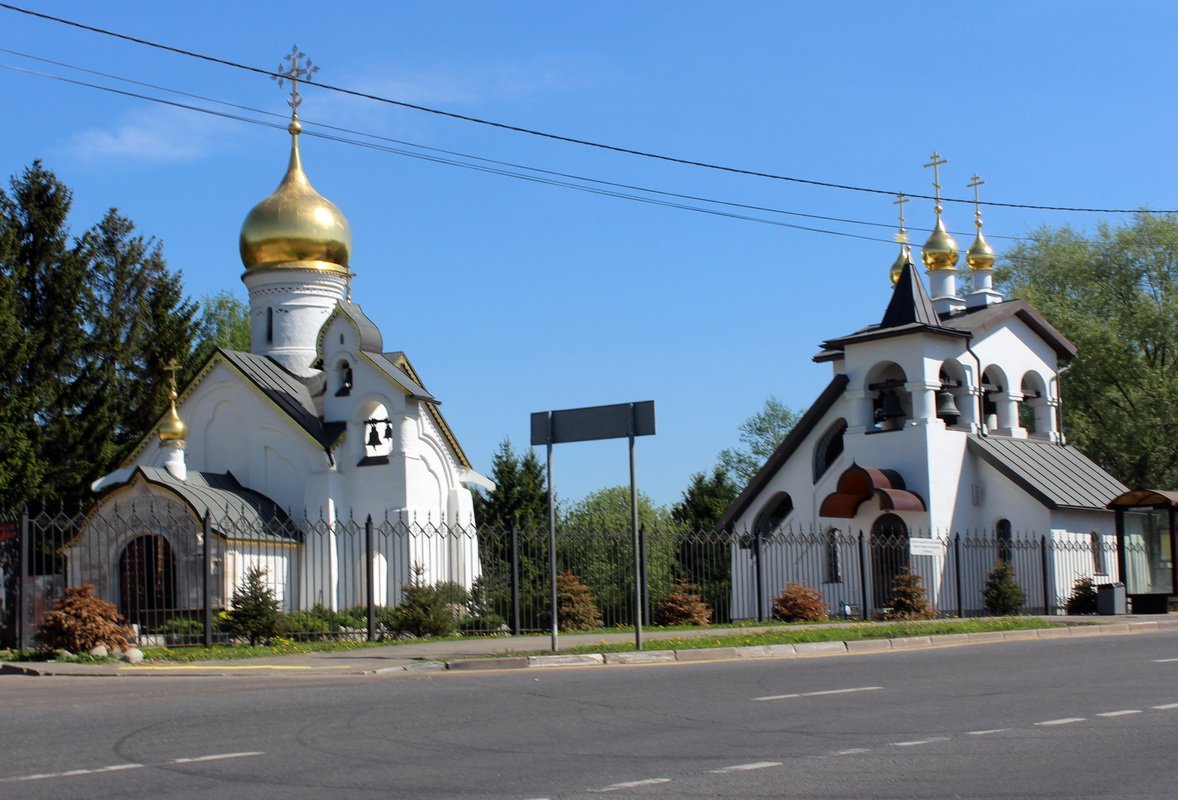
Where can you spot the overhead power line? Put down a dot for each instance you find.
(567, 139)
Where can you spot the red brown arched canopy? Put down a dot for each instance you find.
(859, 484)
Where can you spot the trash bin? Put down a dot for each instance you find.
(1110, 599)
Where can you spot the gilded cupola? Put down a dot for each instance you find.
(940, 250)
(980, 255)
(172, 428)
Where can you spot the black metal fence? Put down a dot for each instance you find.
(172, 575)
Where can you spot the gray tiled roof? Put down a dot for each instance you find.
(287, 391)
(234, 511)
(1055, 475)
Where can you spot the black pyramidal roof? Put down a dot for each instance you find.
(910, 304)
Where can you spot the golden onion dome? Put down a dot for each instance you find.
(940, 251)
(173, 429)
(296, 226)
(902, 260)
(980, 254)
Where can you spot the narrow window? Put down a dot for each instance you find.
(1098, 565)
(1004, 541)
(834, 564)
(270, 325)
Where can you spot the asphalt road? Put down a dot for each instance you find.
(1088, 718)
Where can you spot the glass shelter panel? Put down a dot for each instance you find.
(1149, 567)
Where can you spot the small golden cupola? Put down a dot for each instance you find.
(980, 255)
(172, 428)
(296, 226)
(904, 257)
(940, 251)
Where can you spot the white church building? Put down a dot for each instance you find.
(317, 419)
(941, 420)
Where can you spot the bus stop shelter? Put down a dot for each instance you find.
(1146, 543)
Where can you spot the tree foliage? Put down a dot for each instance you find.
(705, 500)
(520, 497)
(87, 325)
(79, 622)
(224, 322)
(1113, 294)
(255, 614)
(759, 436)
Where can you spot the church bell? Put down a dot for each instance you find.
(947, 406)
(373, 436)
(892, 406)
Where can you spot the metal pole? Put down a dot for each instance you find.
(957, 574)
(638, 588)
(552, 536)
(369, 576)
(22, 600)
(863, 579)
(514, 580)
(206, 579)
(1043, 561)
(760, 580)
(645, 575)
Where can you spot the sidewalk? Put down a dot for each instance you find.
(503, 652)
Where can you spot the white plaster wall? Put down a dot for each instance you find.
(301, 300)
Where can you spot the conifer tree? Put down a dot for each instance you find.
(520, 497)
(705, 500)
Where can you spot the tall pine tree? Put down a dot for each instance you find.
(520, 497)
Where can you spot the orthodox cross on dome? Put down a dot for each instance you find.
(298, 68)
(173, 367)
(974, 183)
(936, 165)
(902, 234)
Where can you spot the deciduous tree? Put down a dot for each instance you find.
(759, 436)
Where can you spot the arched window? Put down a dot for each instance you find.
(829, 448)
(344, 378)
(1004, 540)
(834, 561)
(774, 513)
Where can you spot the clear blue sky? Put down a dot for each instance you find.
(513, 296)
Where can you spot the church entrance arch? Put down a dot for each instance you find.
(147, 581)
(889, 555)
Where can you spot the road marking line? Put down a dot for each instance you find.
(1166, 707)
(852, 751)
(1064, 721)
(986, 733)
(746, 767)
(1123, 713)
(1164, 660)
(916, 742)
(819, 694)
(633, 784)
(73, 773)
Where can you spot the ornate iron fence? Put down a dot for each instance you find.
(172, 574)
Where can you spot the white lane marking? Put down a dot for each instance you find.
(916, 742)
(632, 784)
(852, 751)
(1164, 660)
(1064, 721)
(1165, 707)
(986, 733)
(746, 767)
(73, 773)
(1122, 713)
(218, 757)
(819, 694)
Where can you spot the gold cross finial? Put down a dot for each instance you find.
(298, 68)
(901, 235)
(173, 367)
(974, 183)
(936, 165)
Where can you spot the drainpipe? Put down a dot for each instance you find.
(1059, 409)
(981, 396)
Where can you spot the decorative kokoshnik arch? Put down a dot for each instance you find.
(859, 484)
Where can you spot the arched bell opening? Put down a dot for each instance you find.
(953, 402)
(891, 403)
(1035, 411)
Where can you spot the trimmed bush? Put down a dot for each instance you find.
(1083, 597)
(1002, 594)
(255, 615)
(576, 607)
(798, 603)
(423, 610)
(682, 606)
(79, 622)
(303, 624)
(909, 598)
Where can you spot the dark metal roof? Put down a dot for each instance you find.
(385, 362)
(287, 391)
(792, 441)
(1055, 475)
(235, 512)
(1155, 498)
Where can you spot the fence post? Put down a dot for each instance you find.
(1043, 562)
(369, 578)
(22, 600)
(206, 525)
(760, 580)
(957, 574)
(515, 627)
(866, 601)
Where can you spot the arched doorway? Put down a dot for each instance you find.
(147, 581)
(889, 555)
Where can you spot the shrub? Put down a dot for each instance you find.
(798, 603)
(1003, 595)
(182, 630)
(683, 606)
(79, 622)
(576, 607)
(423, 610)
(479, 617)
(305, 624)
(255, 614)
(909, 599)
(1083, 598)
